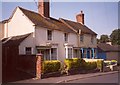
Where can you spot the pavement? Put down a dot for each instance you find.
(63, 79)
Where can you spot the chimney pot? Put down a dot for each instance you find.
(81, 12)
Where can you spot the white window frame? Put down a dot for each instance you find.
(67, 52)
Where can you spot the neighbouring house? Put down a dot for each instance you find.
(56, 39)
(10, 56)
(3, 30)
(108, 52)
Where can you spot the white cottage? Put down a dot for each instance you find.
(55, 39)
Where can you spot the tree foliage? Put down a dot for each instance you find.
(104, 39)
(115, 37)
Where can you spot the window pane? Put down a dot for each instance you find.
(69, 52)
(85, 53)
(47, 54)
(54, 54)
(66, 37)
(28, 50)
(49, 34)
(81, 38)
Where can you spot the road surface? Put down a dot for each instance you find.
(111, 78)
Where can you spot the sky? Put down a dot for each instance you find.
(101, 17)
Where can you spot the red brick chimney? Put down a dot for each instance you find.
(80, 17)
(43, 8)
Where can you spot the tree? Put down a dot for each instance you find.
(115, 37)
(104, 39)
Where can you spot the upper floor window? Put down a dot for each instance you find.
(66, 37)
(92, 39)
(28, 50)
(49, 34)
(81, 38)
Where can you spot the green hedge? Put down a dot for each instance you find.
(91, 65)
(75, 63)
(100, 64)
(50, 66)
(80, 64)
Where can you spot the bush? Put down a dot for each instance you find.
(75, 63)
(69, 64)
(100, 64)
(51, 66)
(91, 65)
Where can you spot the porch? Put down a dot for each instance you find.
(48, 52)
(77, 52)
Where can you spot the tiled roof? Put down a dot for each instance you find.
(36, 18)
(76, 26)
(50, 23)
(108, 48)
(55, 24)
(15, 40)
(61, 26)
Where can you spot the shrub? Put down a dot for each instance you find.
(100, 64)
(51, 66)
(75, 63)
(91, 65)
(69, 64)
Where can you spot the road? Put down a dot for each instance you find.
(112, 78)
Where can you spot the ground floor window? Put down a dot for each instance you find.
(53, 53)
(77, 53)
(69, 52)
(92, 53)
(48, 54)
(88, 52)
(84, 53)
(28, 50)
